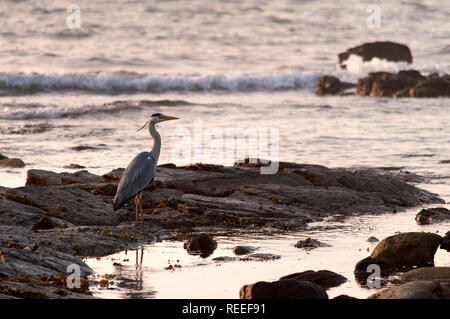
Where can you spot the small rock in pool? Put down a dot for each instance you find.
(324, 278)
(74, 166)
(310, 243)
(243, 250)
(432, 215)
(283, 289)
(261, 257)
(83, 148)
(373, 239)
(401, 252)
(446, 242)
(12, 162)
(203, 245)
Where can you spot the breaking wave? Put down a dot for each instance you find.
(116, 83)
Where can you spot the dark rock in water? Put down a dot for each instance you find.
(83, 148)
(446, 242)
(432, 215)
(43, 223)
(427, 273)
(310, 243)
(387, 84)
(324, 278)
(407, 83)
(3, 157)
(400, 252)
(419, 289)
(330, 85)
(203, 245)
(444, 162)
(262, 257)
(433, 86)
(373, 239)
(283, 289)
(243, 250)
(74, 166)
(12, 162)
(387, 50)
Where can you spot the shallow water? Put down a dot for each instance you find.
(143, 273)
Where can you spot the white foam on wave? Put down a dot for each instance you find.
(118, 83)
(356, 68)
(24, 113)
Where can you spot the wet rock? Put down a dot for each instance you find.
(373, 239)
(83, 148)
(310, 243)
(390, 51)
(433, 86)
(419, 289)
(203, 245)
(283, 289)
(12, 162)
(330, 85)
(400, 252)
(324, 278)
(432, 215)
(73, 166)
(407, 83)
(427, 273)
(3, 157)
(243, 250)
(262, 257)
(387, 84)
(446, 242)
(37, 177)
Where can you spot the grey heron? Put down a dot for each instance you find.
(142, 169)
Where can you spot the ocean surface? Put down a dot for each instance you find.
(218, 65)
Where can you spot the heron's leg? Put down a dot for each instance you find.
(136, 205)
(142, 211)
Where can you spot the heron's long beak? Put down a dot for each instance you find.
(143, 126)
(168, 118)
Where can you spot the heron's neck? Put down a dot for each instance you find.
(156, 141)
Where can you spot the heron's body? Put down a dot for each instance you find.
(141, 171)
(138, 176)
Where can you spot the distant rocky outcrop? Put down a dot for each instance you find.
(407, 83)
(387, 50)
(331, 85)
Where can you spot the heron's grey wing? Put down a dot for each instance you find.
(138, 175)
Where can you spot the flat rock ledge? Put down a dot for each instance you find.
(58, 219)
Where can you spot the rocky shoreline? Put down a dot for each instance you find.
(57, 219)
